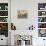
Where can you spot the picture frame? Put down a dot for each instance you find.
(22, 13)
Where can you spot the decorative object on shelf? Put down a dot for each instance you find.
(3, 13)
(40, 25)
(3, 6)
(4, 29)
(13, 27)
(42, 32)
(6, 7)
(45, 7)
(31, 27)
(3, 19)
(41, 6)
(41, 19)
(22, 13)
(43, 13)
(4, 26)
(0, 7)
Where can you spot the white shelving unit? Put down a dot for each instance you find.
(4, 18)
(4, 23)
(42, 19)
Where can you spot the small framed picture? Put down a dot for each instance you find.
(22, 13)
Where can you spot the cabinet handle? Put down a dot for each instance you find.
(43, 39)
(1, 39)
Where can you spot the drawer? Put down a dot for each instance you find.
(3, 41)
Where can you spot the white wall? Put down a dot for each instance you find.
(30, 6)
(22, 24)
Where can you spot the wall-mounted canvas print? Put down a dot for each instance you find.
(22, 13)
(42, 32)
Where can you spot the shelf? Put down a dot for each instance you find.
(3, 16)
(41, 22)
(41, 10)
(41, 28)
(3, 22)
(3, 10)
(42, 16)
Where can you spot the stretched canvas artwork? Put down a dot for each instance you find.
(22, 13)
